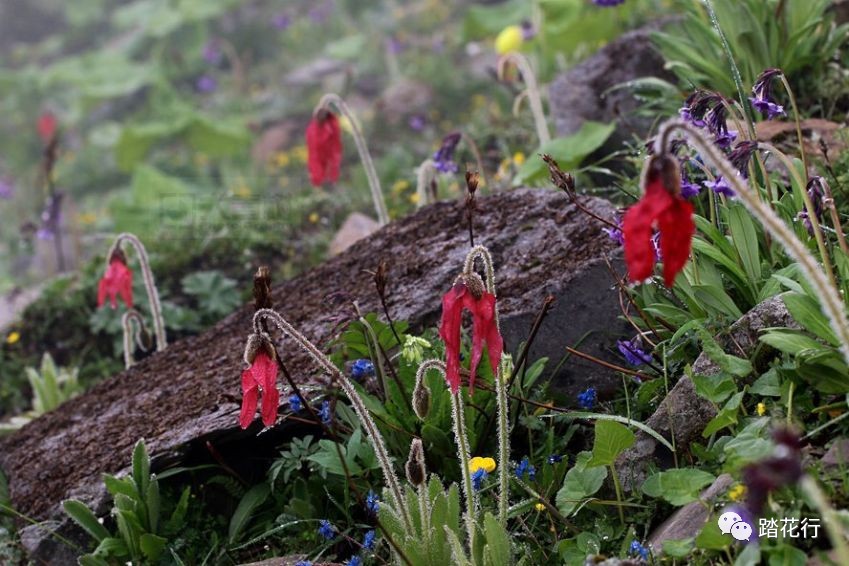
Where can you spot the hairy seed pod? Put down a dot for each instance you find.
(475, 284)
(415, 467)
(421, 400)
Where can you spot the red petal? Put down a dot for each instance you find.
(449, 331)
(637, 230)
(676, 235)
(324, 149)
(250, 395)
(101, 292)
(484, 330)
(46, 126)
(265, 370)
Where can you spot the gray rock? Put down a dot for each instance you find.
(582, 93)
(684, 413)
(687, 521)
(356, 227)
(837, 456)
(190, 394)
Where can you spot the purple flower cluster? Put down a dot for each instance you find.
(762, 94)
(608, 3)
(720, 186)
(443, 159)
(7, 188)
(633, 353)
(815, 193)
(705, 109)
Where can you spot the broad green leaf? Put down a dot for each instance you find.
(580, 483)
(217, 137)
(568, 151)
(737, 367)
(611, 439)
(714, 388)
(254, 497)
(786, 555)
(790, 341)
(716, 298)
(767, 385)
(152, 546)
(809, 315)
(113, 547)
(483, 21)
(711, 538)
(83, 516)
(678, 486)
(678, 548)
(135, 140)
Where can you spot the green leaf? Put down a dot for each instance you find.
(808, 314)
(120, 485)
(786, 555)
(152, 546)
(737, 367)
(217, 137)
(483, 21)
(717, 299)
(83, 516)
(141, 468)
(714, 388)
(767, 385)
(678, 548)
(135, 141)
(745, 239)
(580, 483)
(255, 497)
(111, 547)
(497, 541)
(790, 341)
(92, 560)
(611, 439)
(679, 486)
(568, 151)
(726, 417)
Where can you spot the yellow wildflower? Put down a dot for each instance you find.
(518, 158)
(87, 218)
(539, 507)
(414, 198)
(281, 159)
(400, 186)
(313, 217)
(476, 463)
(761, 409)
(737, 492)
(299, 153)
(13, 337)
(241, 190)
(510, 39)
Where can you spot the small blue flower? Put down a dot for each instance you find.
(362, 368)
(632, 352)
(638, 549)
(368, 540)
(525, 467)
(354, 561)
(478, 478)
(326, 530)
(372, 502)
(295, 403)
(554, 459)
(324, 412)
(303, 563)
(588, 398)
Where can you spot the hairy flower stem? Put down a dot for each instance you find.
(798, 124)
(828, 201)
(464, 457)
(830, 300)
(425, 181)
(133, 325)
(149, 284)
(371, 173)
(534, 96)
(357, 403)
(503, 409)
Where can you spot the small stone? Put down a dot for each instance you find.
(356, 227)
(838, 455)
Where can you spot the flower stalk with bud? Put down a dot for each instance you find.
(534, 95)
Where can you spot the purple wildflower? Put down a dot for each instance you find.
(303, 563)
(762, 91)
(706, 109)
(417, 122)
(281, 21)
(528, 30)
(554, 459)
(394, 45)
(815, 193)
(212, 52)
(655, 243)
(632, 352)
(720, 186)
(741, 155)
(206, 84)
(607, 3)
(615, 234)
(588, 398)
(7, 188)
(689, 189)
(354, 561)
(443, 159)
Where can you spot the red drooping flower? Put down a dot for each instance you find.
(661, 206)
(117, 281)
(324, 148)
(484, 331)
(46, 126)
(261, 376)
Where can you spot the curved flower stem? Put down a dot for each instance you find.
(371, 173)
(425, 175)
(798, 124)
(809, 207)
(133, 323)
(473, 147)
(357, 403)
(534, 96)
(503, 407)
(831, 302)
(828, 201)
(149, 285)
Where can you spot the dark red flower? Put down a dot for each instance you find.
(46, 127)
(324, 148)
(663, 207)
(117, 281)
(261, 376)
(484, 331)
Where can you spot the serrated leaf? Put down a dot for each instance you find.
(83, 516)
